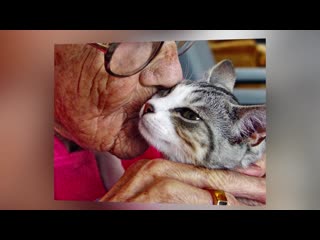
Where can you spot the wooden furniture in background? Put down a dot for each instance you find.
(249, 59)
(243, 53)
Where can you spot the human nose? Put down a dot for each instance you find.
(165, 69)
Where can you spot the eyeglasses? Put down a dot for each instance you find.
(128, 58)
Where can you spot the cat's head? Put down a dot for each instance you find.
(202, 123)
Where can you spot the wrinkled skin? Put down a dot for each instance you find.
(164, 181)
(100, 112)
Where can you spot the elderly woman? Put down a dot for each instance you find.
(99, 90)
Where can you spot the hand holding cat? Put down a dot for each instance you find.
(163, 181)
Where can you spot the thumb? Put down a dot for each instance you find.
(257, 169)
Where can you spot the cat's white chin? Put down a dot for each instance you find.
(167, 148)
(149, 134)
(145, 132)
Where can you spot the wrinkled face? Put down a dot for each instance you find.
(99, 111)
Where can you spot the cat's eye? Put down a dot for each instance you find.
(187, 113)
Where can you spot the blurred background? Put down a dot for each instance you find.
(248, 57)
(26, 113)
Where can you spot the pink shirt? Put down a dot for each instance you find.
(76, 175)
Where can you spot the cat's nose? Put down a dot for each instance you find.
(148, 108)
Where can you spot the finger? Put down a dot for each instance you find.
(166, 190)
(131, 176)
(250, 202)
(237, 184)
(232, 201)
(257, 169)
(144, 172)
(252, 170)
(262, 162)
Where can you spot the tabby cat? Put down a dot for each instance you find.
(202, 123)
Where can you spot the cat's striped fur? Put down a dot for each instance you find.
(202, 123)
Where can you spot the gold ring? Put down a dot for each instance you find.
(218, 197)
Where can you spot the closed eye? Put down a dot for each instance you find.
(188, 114)
(164, 92)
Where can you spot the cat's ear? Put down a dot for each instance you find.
(222, 75)
(250, 124)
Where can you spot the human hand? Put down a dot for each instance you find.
(164, 181)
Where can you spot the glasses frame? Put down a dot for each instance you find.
(109, 49)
